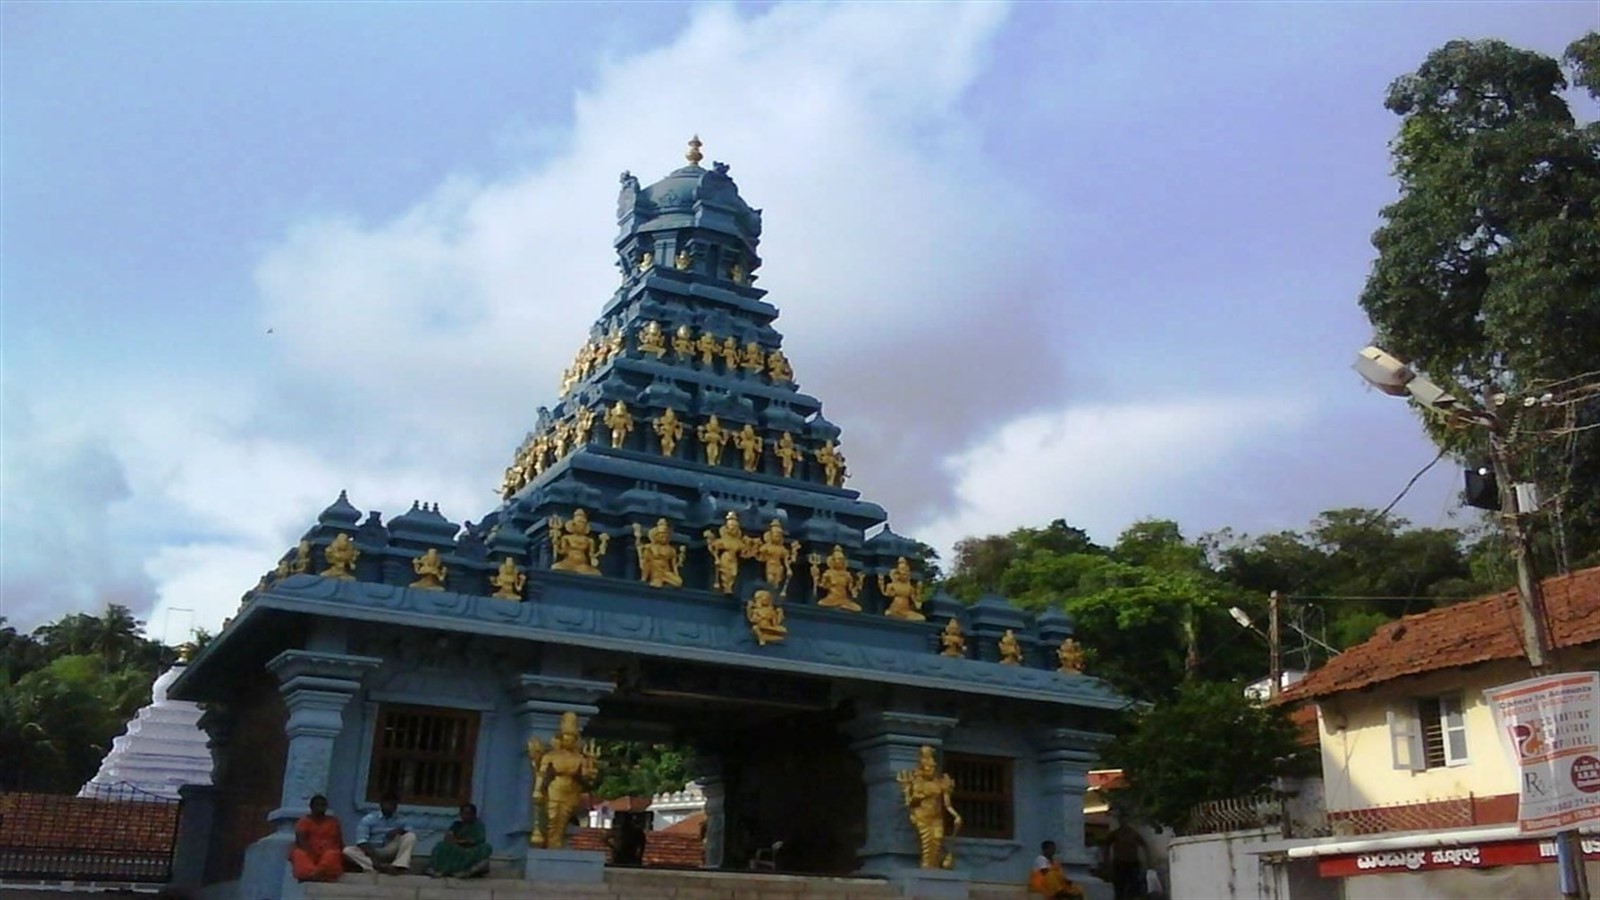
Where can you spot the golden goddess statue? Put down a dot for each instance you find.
(582, 426)
(683, 343)
(749, 444)
(1010, 649)
(832, 462)
(652, 340)
(1070, 657)
(730, 354)
(927, 795)
(620, 421)
(778, 368)
(576, 547)
(787, 453)
(753, 359)
(561, 774)
(341, 556)
(509, 581)
(707, 344)
(766, 619)
(776, 557)
(904, 594)
(714, 437)
(659, 561)
(951, 641)
(837, 585)
(669, 428)
(431, 571)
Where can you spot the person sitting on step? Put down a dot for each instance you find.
(383, 842)
(318, 843)
(1046, 878)
(463, 851)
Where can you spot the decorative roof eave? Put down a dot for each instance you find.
(551, 621)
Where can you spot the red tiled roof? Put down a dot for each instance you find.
(63, 822)
(1465, 634)
(661, 848)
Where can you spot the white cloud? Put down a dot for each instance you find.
(1101, 468)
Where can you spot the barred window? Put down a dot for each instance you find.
(424, 754)
(983, 794)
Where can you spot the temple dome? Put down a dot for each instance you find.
(689, 197)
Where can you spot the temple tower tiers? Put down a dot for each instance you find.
(163, 748)
(682, 406)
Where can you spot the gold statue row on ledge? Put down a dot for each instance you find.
(685, 346)
(684, 260)
(539, 452)
(1069, 656)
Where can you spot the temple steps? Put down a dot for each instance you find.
(633, 884)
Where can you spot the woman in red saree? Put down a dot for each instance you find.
(318, 852)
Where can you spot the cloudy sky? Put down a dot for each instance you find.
(1090, 261)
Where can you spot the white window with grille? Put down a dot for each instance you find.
(1428, 733)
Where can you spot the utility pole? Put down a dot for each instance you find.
(1274, 646)
(1536, 640)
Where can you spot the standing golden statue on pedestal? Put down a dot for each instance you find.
(766, 619)
(341, 557)
(620, 421)
(509, 581)
(837, 585)
(431, 571)
(707, 344)
(582, 426)
(928, 796)
(904, 594)
(560, 776)
(787, 453)
(576, 549)
(714, 437)
(669, 429)
(726, 547)
(1070, 656)
(951, 641)
(1010, 649)
(659, 561)
(730, 354)
(749, 444)
(777, 558)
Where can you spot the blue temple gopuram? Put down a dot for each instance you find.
(676, 557)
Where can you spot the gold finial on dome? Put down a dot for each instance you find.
(694, 155)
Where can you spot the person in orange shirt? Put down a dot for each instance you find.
(318, 851)
(1047, 879)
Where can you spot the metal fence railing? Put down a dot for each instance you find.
(1296, 818)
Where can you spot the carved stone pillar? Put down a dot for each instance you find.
(888, 742)
(1065, 756)
(542, 699)
(316, 687)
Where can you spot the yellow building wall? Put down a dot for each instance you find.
(1357, 762)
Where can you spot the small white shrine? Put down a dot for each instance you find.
(162, 749)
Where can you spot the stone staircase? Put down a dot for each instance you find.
(632, 884)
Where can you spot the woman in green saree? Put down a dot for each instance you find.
(464, 849)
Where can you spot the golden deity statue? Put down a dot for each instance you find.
(787, 453)
(559, 435)
(778, 368)
(659, 561)
(512, 480)
(736, 273)
(928, 797)
(766, 619)
(707, 344)
(1070, 656)
(561, 775)
(646, 260)
(951, 641)
(837, 585)
(669, 428)
(568, 379)
(341, 556)
(832, 462)
(714, 437)
(576, 548)
(431, 571)
(903, 593)
(620, 421)
(682, 261)
(683, 343)
(776, 558)
(752, 359)
(730, 354)
(279, 572)
(585, 360)
(652, 340)
(509, 581)
(582, 426)
(540, 452)
(1010, 649)
(749, 444)
(726, 546)
(302, 559)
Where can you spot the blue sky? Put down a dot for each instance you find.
(1088, 261)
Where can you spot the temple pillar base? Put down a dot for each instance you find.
(565, 866)
(932, 884)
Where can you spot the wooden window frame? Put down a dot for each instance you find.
(986, 813)
(403, 767)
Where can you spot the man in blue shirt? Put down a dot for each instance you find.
(383, 842)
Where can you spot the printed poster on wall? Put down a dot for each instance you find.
(1550, 727)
